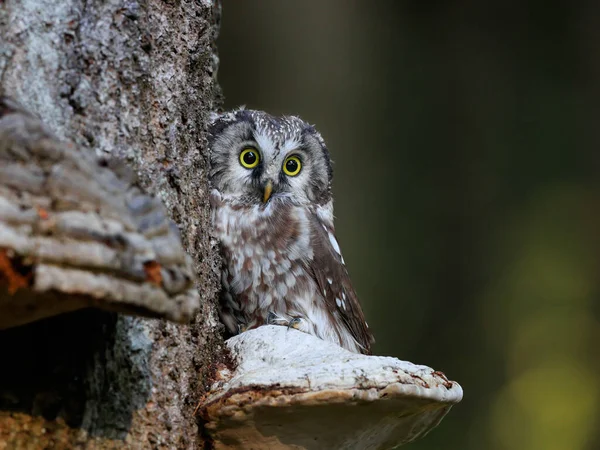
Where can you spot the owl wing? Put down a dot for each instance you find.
(329, 272)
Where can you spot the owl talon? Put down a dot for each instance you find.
(274, 319)
(295, 323)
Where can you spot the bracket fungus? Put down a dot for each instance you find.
(76, 232)
(289, 390)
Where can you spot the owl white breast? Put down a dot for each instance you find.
(273, 216)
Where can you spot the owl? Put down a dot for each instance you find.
(272, 213)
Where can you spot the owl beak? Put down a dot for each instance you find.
(267, 191)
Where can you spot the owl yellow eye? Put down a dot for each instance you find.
(292, 166)
(249, 158)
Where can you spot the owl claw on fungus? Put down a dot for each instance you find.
(275, 319)
(296, 323)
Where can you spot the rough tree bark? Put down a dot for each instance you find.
(136, 80)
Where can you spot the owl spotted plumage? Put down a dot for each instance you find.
(273, 215)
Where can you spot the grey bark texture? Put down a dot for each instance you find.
(134, 80)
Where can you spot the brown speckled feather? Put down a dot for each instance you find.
(342, 301)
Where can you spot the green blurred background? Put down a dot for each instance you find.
(465, 139)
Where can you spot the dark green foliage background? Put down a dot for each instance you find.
(465, 137)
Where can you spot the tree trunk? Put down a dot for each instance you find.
(135, 80)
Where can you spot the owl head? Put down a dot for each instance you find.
(257, 158)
